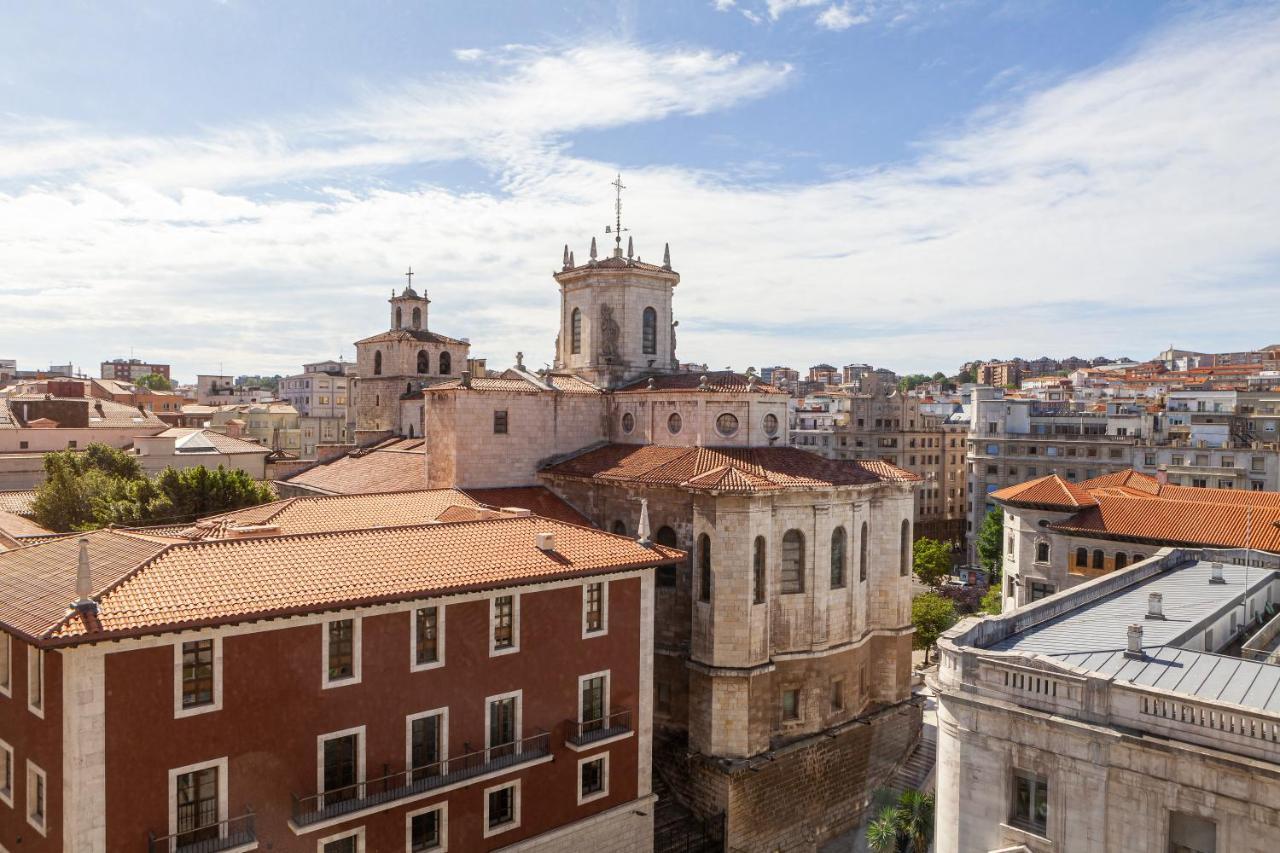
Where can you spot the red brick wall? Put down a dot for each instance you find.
(274, 708)
(40, 741)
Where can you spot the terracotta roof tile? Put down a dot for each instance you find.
(395, 467)
(16, 525)
(17, 501)
(718, 381)
(217, 442)
(738, 469)
(1050, 491)
(537, 499)
(422, 335)
(214, 582)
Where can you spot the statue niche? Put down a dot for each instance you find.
(608, 334)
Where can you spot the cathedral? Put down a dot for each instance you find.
(781, 694)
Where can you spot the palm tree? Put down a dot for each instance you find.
(904, 825)
(882, 833)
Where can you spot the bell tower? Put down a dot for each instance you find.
(409, 310)
(616, 320)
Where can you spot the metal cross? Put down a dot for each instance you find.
(409, 275)
(617, 209)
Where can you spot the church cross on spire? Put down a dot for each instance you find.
(409, 275)
(618, 187)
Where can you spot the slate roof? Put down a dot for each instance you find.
(723, 469)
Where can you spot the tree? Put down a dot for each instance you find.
(154, 381)
(931, 561)
(993, 602)
(904, 825)
(990, 546)
(931, 614)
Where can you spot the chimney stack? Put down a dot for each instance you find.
(84, 580)
(1216, 574)
(466, 379)
(1155, 606)
(1162, 475)
(1135, 642)
(643, 530)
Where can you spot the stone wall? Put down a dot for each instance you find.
(625, 829)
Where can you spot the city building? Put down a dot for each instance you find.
(322, 396)
(824, 374)
(130, 369)
(65, 418)
(1001, 374)
(221, 390)
(372, 679)
(783, 645)
(273, 425)
(1137, 711)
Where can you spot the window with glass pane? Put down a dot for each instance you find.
(503, 618)
(704, 568)
(424, 832)
(837, 557)
(502, 806)
(37, 798)
(1041, 590)
(862, 553)
(666, 574)
(427, 648)
(6, 772)
(758, 570)
(593, 704)
(649, 331)
(791, 704)
(35, 678)
(502, 727)
(197, 673)
(593, 777)
(6, 655)
(198, 806)
(343, 845)
(340, 756)
(793, 561)
(424, 746)
(1030, 801)
(595, 607)
(341, 649)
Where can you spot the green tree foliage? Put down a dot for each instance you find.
(993, 602)
(271, 383)
(102, 485)
(911, 380)
(905, 826)
(154, 381)
(931, 614)
(931, 560)
(964, 376)
(990, 548)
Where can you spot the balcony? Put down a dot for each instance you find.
(589, 733)
(390, 788)
(214, 838)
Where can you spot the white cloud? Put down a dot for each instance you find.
(1110, 213)
(840, 18)
(723, 5)
(777, 8)
(470, 54)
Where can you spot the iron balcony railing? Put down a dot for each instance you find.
(582, 733)
(396, 785)
(214, 837)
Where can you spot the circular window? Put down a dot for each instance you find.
(628, 422)
(674, 423)
(770, 424)
(727, 424)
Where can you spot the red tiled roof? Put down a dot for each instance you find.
(738, 469)
(398, 466)
(537, 499)
(17, 501)
(1050, 491)
(203, 583)
(16, 525)
(421, 335)
(1129, 479)
(719, 381)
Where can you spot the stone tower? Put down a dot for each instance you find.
(615, 318)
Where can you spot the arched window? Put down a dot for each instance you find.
(408, 388)
(1122, 560)
(666, 574)
(837, 557)
(1082, 558)
(1042, 552)
(793, 561)
(758, 571)
(904, 549)
(1097, 558)
(575, 332)
(424, 361)
(704, 567)
(446, 364)
(417, 318)
(620, 527)
(377, 363)
(862, 553)
(650, 331)
(399, 318)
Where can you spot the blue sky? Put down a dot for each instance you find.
(903, 182)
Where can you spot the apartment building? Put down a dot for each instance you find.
(1001, 374)
(473, 681)
(130, 369)
(273, 425)
(322, 395)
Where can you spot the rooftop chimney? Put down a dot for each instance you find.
(466, 379)
(1155, 606)
(1216, 574)
(545, 541)
(1162, 475)
(1135, 642)
(84, 580)
(643, 529)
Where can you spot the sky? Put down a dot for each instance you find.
(237, 186)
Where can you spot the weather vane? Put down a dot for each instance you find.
(617, 228)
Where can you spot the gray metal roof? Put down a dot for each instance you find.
(1094, 637)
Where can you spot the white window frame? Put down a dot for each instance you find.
(216, 705)
(33, 771)
(357, 833)
(604, 791)
(603, 630)
(443, 714)
(6, 754)
(443, 808)
(361, 746)
(6, 687)
(221, 764)
(494, 651)
(35, 670)
(357, 651)
(489, 832)
(608, 685)
(518, 695)
(414, 666)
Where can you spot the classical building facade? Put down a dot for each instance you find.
(782, 646)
